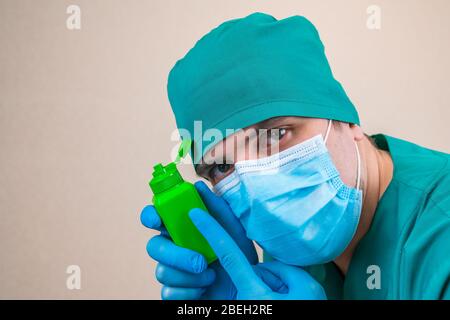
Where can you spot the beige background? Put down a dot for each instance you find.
(84, 116)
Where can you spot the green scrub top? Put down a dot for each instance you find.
(409, 238)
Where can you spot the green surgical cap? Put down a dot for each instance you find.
(251, 69)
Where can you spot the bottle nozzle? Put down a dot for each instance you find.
(164, 177)
(158, 169)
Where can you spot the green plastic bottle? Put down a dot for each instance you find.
(173, 198)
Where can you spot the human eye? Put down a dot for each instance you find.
(275, 135)
(220, 171)
(270, 138)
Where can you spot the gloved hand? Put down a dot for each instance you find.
(251, 282)
(184, 273)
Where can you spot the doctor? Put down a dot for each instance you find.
(339, 214)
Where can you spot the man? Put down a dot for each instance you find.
(340, 214)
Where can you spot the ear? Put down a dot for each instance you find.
(357, 132)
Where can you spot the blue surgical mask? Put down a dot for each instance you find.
(294, 203)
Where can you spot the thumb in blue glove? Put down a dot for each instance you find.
(299, 285)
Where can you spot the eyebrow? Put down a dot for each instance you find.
(202, 169)
(269, 123)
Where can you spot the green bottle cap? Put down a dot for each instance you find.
(165, 177)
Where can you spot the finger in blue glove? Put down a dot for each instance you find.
(249, 285)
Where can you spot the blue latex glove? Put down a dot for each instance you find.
(184, 273)
(248, 282)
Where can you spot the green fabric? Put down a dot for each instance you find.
(409, 238)
(251, 69)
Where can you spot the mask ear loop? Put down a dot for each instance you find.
(358, 176)
(328, 131)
